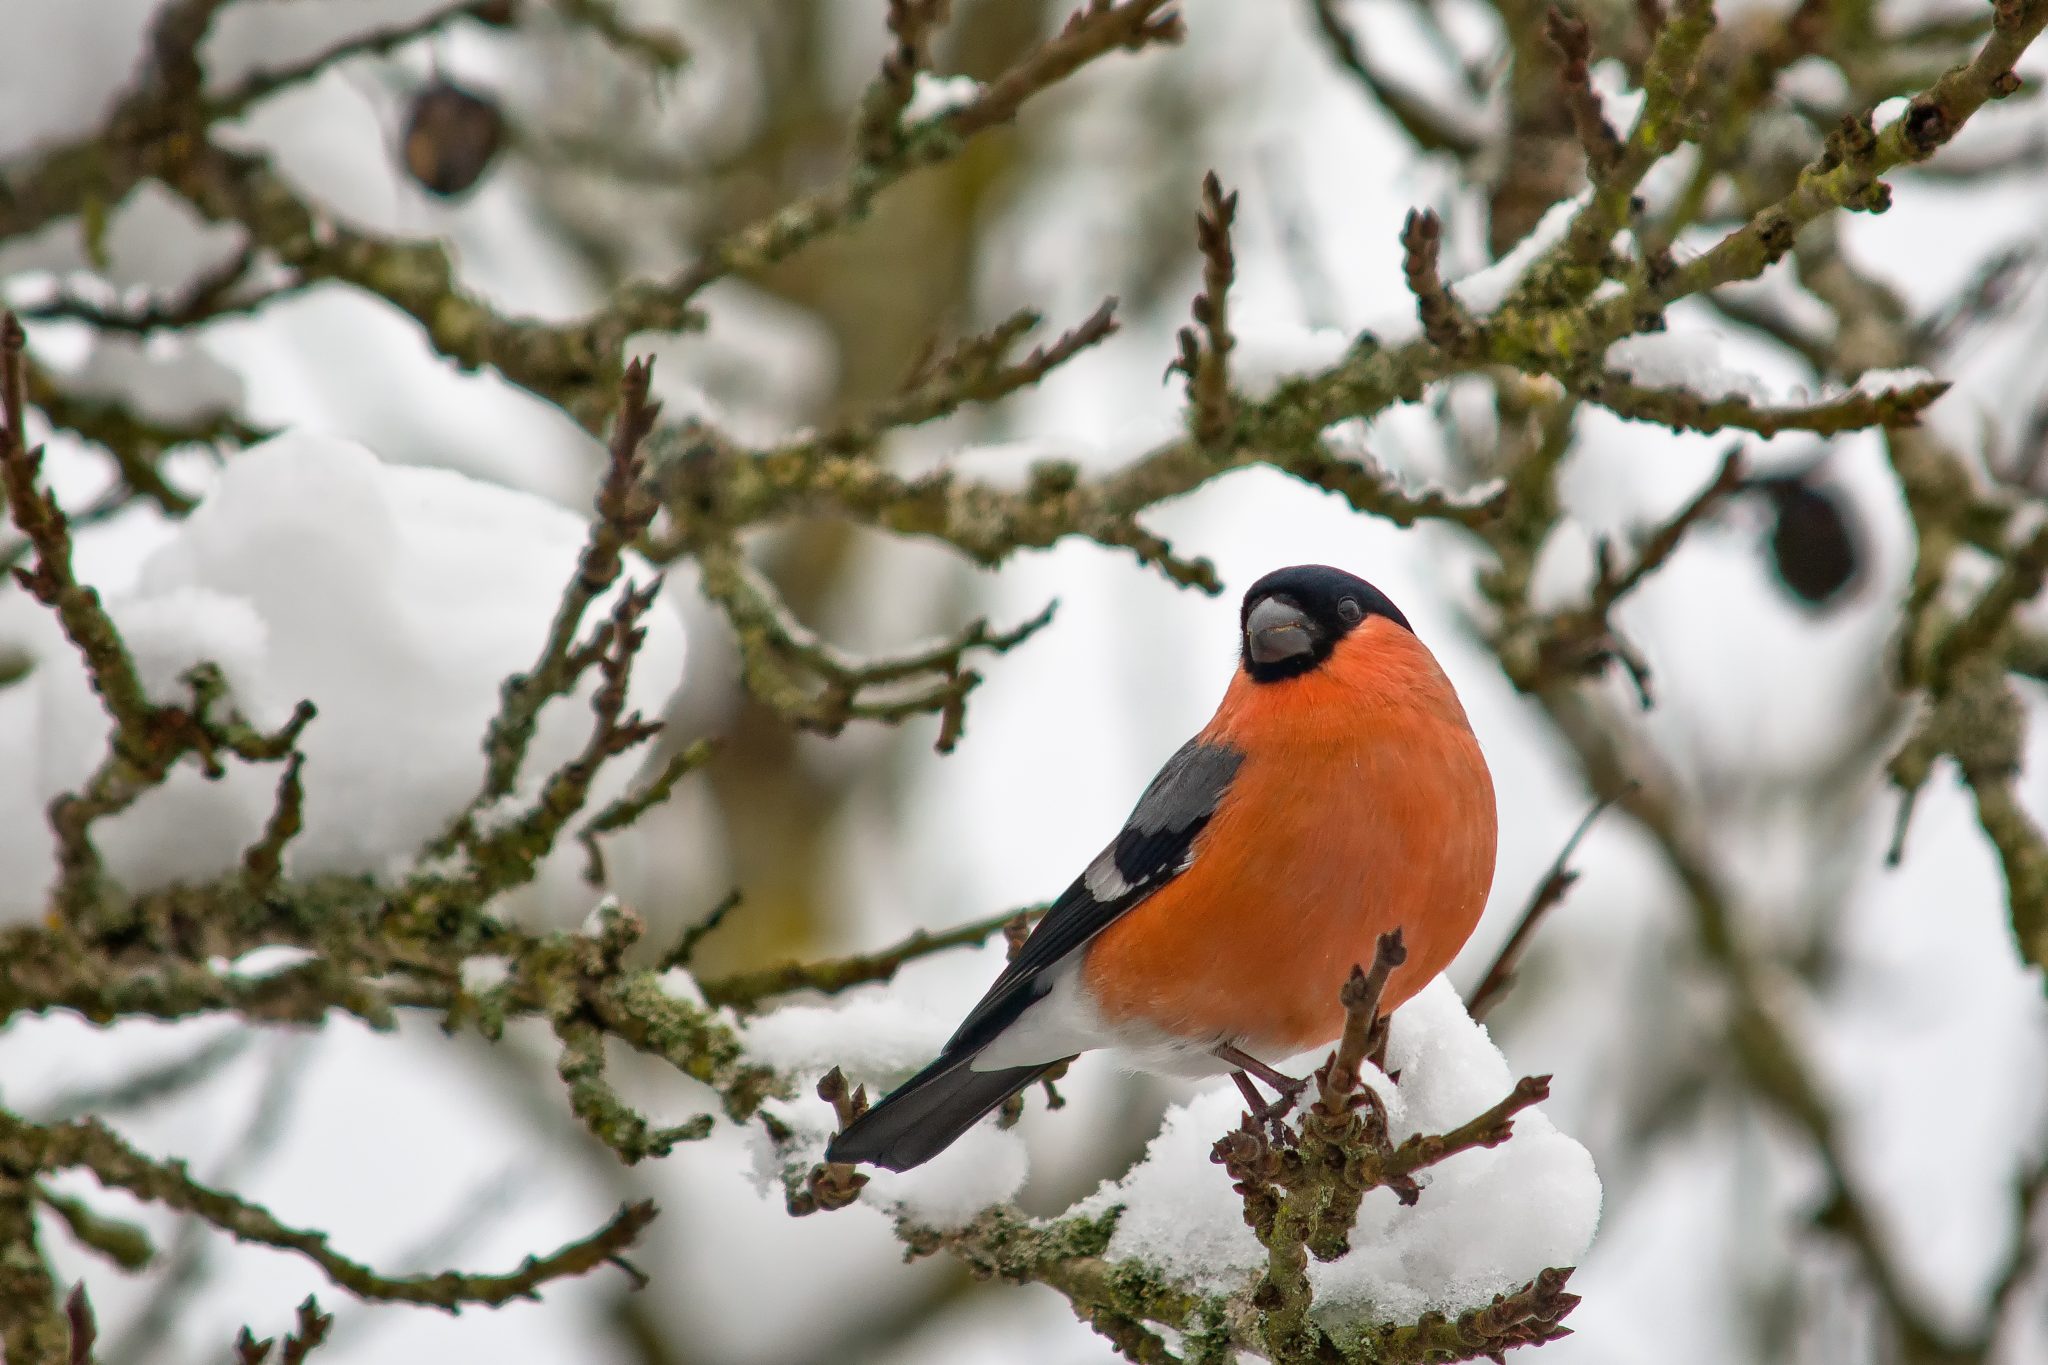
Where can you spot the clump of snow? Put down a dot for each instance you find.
(986, 1166)
(2024, 524)
(1487, 1221)
(480, 974)
(396, 599)
(1881, 382)
(1814, 81)
(83, 56)
(1002, 465)
(1890, 111)
(678, 984)
(152, 240)
(268, 960)
(1689, 360)
(1268, 355)
(1621, 99)
(933, 96)
(1485, 290)
(758, 360)
(1692, 360)
(876, 1040)
(166, 635)
(170, 378)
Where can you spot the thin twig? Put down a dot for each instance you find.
(1548, 893)
(1444, 320)
(624, 509)
(1428, 128)
(746, 990)
(118, 1166)
(818, 687)
(1204, 356)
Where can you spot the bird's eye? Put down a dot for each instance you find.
(1349, 609)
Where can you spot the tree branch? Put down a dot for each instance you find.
(116, 1165)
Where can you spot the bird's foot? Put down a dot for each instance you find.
(1286, 1092)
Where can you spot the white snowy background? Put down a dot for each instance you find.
(398, 596)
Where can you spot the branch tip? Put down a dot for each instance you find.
(1573, 43)
(1444, 321)
(1549, 892)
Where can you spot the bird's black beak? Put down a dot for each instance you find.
(1277, 629)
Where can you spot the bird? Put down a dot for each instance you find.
(1338, 793)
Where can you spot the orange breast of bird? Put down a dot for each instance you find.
(1363, 804)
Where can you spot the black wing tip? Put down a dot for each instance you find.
(927, 1113)
(848, 1150)
(855, 1145)
(901, 1150)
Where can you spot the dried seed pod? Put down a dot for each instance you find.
(451, 137)
(1814, 544)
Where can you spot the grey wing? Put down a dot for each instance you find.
(1155, 845)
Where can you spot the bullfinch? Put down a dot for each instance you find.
(1338, 793)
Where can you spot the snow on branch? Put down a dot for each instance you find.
(879, 133)
(1418, 1213)
(148, 737)
(1676, 382)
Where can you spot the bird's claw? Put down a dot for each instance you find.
(1266, 1113)
(1282, 1104)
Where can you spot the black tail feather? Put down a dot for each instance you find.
(927, 1113)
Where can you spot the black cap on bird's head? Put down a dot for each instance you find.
(1292, 618)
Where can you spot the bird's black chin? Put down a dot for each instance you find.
(1279, 670)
